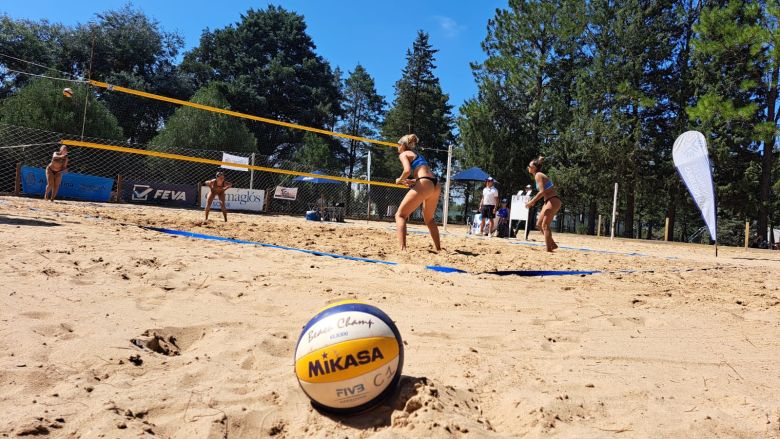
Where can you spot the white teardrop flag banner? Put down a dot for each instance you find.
(693, 163)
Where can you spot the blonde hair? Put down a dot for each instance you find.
(409, 141)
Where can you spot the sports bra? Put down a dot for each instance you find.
(547, 185)
(418, 161)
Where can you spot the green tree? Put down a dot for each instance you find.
(194, 128)
(363, 111)
(315, 154)
(39, 41)
(131, 50)
(270, 64)
(420, 107)
(737, 72)
(199, 129)
(526, 90)
(41, 104)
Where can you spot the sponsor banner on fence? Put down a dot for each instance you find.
(236, 199)
(148, 192)
(286, 193)
(230, 158)
(76, 186)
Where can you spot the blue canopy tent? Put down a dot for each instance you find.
(316, 180)
(470, 175)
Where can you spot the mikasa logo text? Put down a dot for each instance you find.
(326, 366)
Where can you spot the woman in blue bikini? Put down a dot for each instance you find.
(424, 188)
(552, 203)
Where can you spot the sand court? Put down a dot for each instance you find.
(114, 330)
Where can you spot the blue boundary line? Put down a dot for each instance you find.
(260, 244)
(590, 250)
(437, 268)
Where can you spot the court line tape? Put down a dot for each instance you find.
(261, 244)
(591, 250)
(437, 268)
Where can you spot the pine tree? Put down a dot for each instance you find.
(737, 72)
(363, 111)
(420, 107)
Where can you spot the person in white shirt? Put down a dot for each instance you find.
(488, 206)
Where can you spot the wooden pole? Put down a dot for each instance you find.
(614, 209)
(18, 179)
(118, 189)
(666, 230)
(747, 233)
(598, 232)
(446, 211)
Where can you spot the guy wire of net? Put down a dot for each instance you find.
(22, 146)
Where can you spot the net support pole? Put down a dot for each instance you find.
(747, 233)
(252, 172)
(446, 211)
(614, 209)
(18, 179)
(368, 189)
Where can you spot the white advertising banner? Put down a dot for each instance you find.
(518, 211)
(230, 158)
(236, 199)
(286, 193)
(693, 163)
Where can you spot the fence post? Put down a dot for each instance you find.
(666, 229)
(368, 189)
(598, 232)
(614, 208)
(252, 172)
(118, 189)
(446, 211)
(747, 233)
(18, 179)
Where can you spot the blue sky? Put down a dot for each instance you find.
(348, 32)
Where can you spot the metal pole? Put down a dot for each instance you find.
(252, 172)
(86, 87)
(747, 233)
(368, 191)
(614, 208)
(598, 232)
(447, 188)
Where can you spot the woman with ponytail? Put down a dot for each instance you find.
(552, 203)
(424, 188)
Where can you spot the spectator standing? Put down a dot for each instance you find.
(488, 206)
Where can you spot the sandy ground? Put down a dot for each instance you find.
(668, 343)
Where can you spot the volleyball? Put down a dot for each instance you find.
(349, 357)
(67, 92)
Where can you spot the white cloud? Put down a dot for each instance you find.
(450, 27)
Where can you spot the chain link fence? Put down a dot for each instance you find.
(22, 146)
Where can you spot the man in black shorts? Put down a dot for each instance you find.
(488, 206)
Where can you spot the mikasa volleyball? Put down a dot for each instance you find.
(349, 357)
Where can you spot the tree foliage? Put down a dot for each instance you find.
(272, 70)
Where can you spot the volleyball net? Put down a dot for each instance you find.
(139, 173)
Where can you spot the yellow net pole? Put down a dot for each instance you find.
(144, 94)
(167, 155)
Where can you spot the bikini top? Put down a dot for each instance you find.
(418, 161)
(547, 185)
